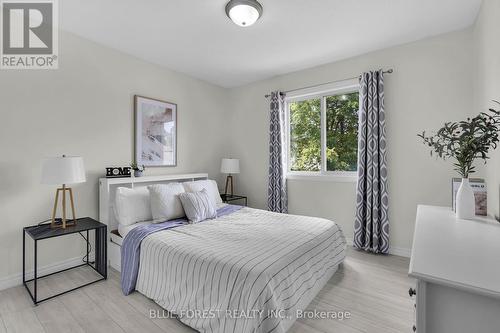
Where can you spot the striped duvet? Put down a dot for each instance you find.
(249, 271)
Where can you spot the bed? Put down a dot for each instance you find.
(249, 270)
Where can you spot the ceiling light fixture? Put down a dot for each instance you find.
(244, 12)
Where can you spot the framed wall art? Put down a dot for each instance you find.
(155, 132)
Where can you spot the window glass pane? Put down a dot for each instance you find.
(342, 132)
(305, 135)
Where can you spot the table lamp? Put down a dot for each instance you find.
(63, 170)
(230, 166)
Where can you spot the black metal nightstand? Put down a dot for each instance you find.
(227, 198)
(44, 231)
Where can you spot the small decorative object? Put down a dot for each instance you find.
(63, 170)
(465, 200)
(138, 169)
(155, 132)
(466, 141)
(229, 166)
(118, 172)
(480, 194)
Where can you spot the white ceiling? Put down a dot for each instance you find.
(195, 36)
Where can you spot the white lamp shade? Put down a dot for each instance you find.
(63, 170)
(230, 165)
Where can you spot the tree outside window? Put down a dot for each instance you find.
(341, 133)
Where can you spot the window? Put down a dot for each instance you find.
(323, 131)
(305, 135)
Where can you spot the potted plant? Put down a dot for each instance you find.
(464, 142)
(138, 169)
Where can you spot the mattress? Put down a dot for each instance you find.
(250, 271)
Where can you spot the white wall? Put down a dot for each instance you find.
(86, 108)
(487, 85)
(431, 84)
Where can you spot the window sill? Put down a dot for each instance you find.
(338, 178)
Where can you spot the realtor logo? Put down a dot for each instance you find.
(29, 38)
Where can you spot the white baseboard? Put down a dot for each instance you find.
(400, 251)
(17, 279)
(394, 250)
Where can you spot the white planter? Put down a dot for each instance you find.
(466, 205)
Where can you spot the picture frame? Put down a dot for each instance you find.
(155, 132)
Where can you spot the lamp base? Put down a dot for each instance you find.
(64, 222)
(229, 179)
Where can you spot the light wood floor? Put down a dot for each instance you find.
(372, 288)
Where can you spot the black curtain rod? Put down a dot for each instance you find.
(389, 71)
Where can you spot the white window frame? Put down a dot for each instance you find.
(337, 88)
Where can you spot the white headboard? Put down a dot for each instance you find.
(108, 186)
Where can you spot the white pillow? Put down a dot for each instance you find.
(123, 230)
(198, 206)
(132, 205)
(209, 184)
(165, 203)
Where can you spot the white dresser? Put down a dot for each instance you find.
(457, 267)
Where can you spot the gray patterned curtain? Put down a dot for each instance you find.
(371, 228)
(276, 193)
